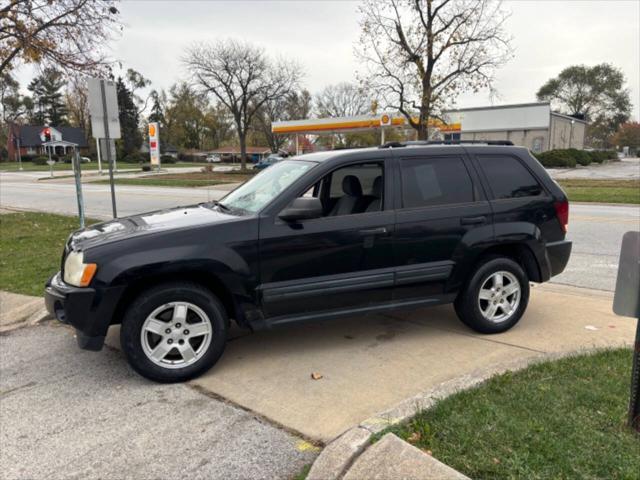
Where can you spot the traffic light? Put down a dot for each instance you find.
(47, 135)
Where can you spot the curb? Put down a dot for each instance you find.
(341, 453)
(36, 318)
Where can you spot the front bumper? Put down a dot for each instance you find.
(89, 310)
(558, 254)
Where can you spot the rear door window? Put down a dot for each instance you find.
(435, 181)
(508, 177)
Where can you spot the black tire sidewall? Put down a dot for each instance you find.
(148, 301)
(467, 306)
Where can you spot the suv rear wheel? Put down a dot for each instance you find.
(495, 297)
(174, 332)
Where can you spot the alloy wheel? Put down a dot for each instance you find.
(176, 335)
(499, 296)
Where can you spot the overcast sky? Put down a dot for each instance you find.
(320, 35)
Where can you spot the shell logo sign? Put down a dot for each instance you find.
(385, 120)
(154, 144)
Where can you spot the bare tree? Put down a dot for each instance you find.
(78, 102)
(419, 55)
(295, 106)
(342, 100)
(65, 34)
(242, 78)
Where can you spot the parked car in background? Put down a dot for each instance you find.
(85, 159)
(213, 159)
(324, 235)
(268, 161)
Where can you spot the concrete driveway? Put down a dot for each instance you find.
(70, 414)
(369, 364)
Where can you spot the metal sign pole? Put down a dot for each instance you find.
(108, 145)
(19, 156)
(634, 398)
(78, 173)
(99, 157)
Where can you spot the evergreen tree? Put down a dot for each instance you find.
(157, 112)
(129, 119)
(48, 99)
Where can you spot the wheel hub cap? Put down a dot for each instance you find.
(499, 296)
(176, 335)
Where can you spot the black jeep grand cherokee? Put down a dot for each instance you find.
(321, 235)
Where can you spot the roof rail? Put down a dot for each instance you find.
(446, 142)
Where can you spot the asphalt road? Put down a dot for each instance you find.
(596, 230)
(22, 190)
(68, 413)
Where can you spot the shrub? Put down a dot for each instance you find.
(146, 167)
(167, 159)
(40, 160)
(581, 157)
(600, 156)
(556, 158)
(133, 157)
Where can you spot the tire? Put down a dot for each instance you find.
(497, 311)
(185, 332)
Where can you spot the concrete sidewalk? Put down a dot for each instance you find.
(371, 364)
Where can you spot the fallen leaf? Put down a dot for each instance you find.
(429, 452)
(496, 461)
(590, 327)
(414, 437)
(316, 376)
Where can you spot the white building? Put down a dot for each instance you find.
(532, 125)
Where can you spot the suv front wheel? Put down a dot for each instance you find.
(495, 297)
(174, 332)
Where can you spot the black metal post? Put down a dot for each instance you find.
(108, 149)
(78, 177)
(634, 398)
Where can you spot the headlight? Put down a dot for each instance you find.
(76, 272)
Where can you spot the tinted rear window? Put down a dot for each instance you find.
(508, 178)
(435, 181)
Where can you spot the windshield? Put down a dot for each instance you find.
(265, 186)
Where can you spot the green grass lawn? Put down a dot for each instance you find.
(30, 167)
(30, 248)
(561, 419)
(602, 191)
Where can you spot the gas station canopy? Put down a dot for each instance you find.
(359, 123)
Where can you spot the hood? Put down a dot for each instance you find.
(147, 223)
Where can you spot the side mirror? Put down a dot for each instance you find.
(302, 208)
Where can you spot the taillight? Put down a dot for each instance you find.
(562, 212)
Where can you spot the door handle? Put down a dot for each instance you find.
(473, 220)
(374, 231)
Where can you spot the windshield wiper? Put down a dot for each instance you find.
(216, 203)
